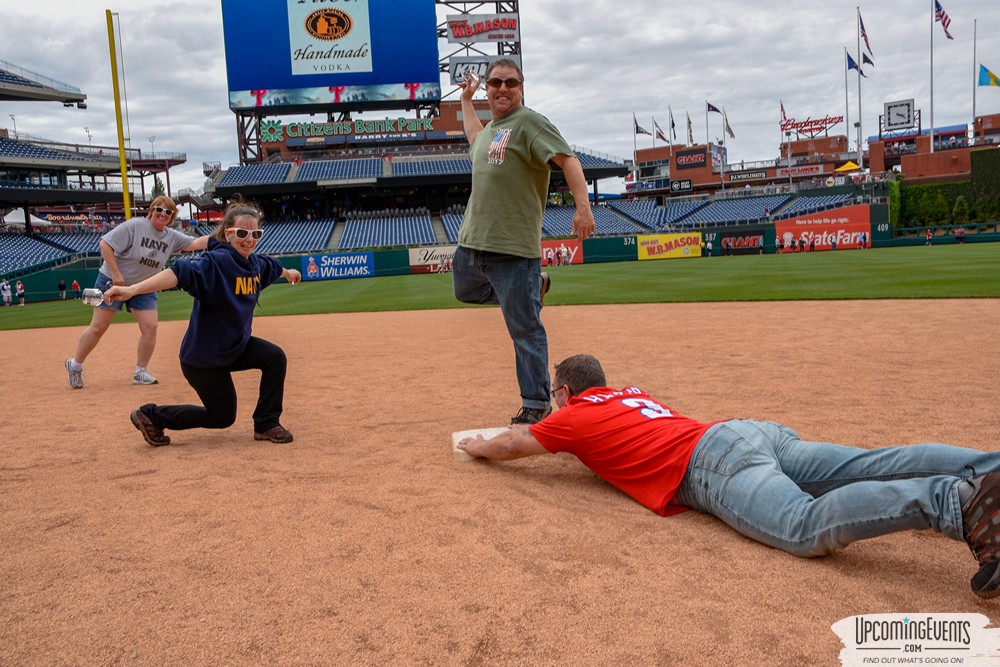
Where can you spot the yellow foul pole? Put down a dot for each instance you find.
(118, 117)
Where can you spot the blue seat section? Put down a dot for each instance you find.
(588, 161)
(290, 236)
(558, 221)
(802, 205)
(204, 228)
(384, 232)
(256, 174)
(432, 167)
(640, 211)
(339, 170)
(11, 148)
(18, 251)
(13, 79)
(734, 211)
(74, 242)
(451, 222)
(674, 211)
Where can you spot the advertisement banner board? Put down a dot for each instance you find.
(669, 246)
(843, 225)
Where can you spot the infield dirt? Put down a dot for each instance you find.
(365, 542)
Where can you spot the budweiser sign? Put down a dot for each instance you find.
(810, 126)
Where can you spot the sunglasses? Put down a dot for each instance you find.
(164, 211)
(510, 83)
(243, 233)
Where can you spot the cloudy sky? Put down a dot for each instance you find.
(589, 64)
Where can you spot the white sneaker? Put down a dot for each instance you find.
(142, 376)
(75, 378)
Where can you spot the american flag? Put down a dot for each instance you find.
(499, 143)
(783, 116)
(864, 35)
(941, 15)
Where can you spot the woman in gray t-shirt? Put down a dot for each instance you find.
(132, 252)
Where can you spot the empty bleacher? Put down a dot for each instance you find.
(287, 236)
(339, 170)
(451, 222)
(558, 221)
(74, 242)
(21, 149)
(432, 167)
(11, 79)
(255, 174)
(405, 230)
(17, 251)
(803, 205)
(734, 211)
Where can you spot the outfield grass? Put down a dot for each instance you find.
(952, 271)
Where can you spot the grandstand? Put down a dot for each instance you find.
(734, 211)
(17, 251)
(287, 236)
(409, 230)
(558, 221)
(74, 242)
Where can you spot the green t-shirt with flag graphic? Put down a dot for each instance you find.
(510, 181)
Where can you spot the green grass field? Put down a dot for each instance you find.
(969, 271)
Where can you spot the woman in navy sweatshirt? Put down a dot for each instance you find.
(225, 282)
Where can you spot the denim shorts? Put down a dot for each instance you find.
(138, 302)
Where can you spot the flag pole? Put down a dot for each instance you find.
(847, 105)
(974, 80)
(653, 136)
(634, 147)
(861, 148)
(932, 76)
(706, 123)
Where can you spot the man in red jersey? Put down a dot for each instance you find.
(806, 498)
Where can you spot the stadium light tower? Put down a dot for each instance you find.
(90, 138)
(14, 120)
(151, 140)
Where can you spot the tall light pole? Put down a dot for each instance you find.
(151, 140)
(90, 141)
(788, 156)
(14, 120)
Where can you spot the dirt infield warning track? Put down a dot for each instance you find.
(363, 542)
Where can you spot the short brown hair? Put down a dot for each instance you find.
(580, 373)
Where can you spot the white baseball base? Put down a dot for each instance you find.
(458, 436)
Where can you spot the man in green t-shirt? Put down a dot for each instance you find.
(498, 259)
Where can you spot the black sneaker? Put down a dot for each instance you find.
(981, 527)
(546, 284)
(531, 415)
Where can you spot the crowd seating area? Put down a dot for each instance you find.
(288, 236)
(74, 242)
(589, 161)
(17, 251)
(730, 211)
(558, 221)
(640, 211)
(21, 149)
(432, 167)
(339, 170)
(255, 174)
(675, 211)
(12, 79)
(451, 222)
(802, 205)
(388, 232)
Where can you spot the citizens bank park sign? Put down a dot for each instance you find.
(810, 126)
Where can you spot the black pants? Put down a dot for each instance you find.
(216, 390)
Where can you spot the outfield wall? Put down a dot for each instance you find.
(844, 224)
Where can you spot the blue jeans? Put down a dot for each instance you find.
(515, 283)
(138, 302)
(811, 498)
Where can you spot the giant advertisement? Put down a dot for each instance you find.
(843, 225)
(669, 246)
(293, 54)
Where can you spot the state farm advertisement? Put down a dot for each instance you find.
(842, 224)
(669, 246)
